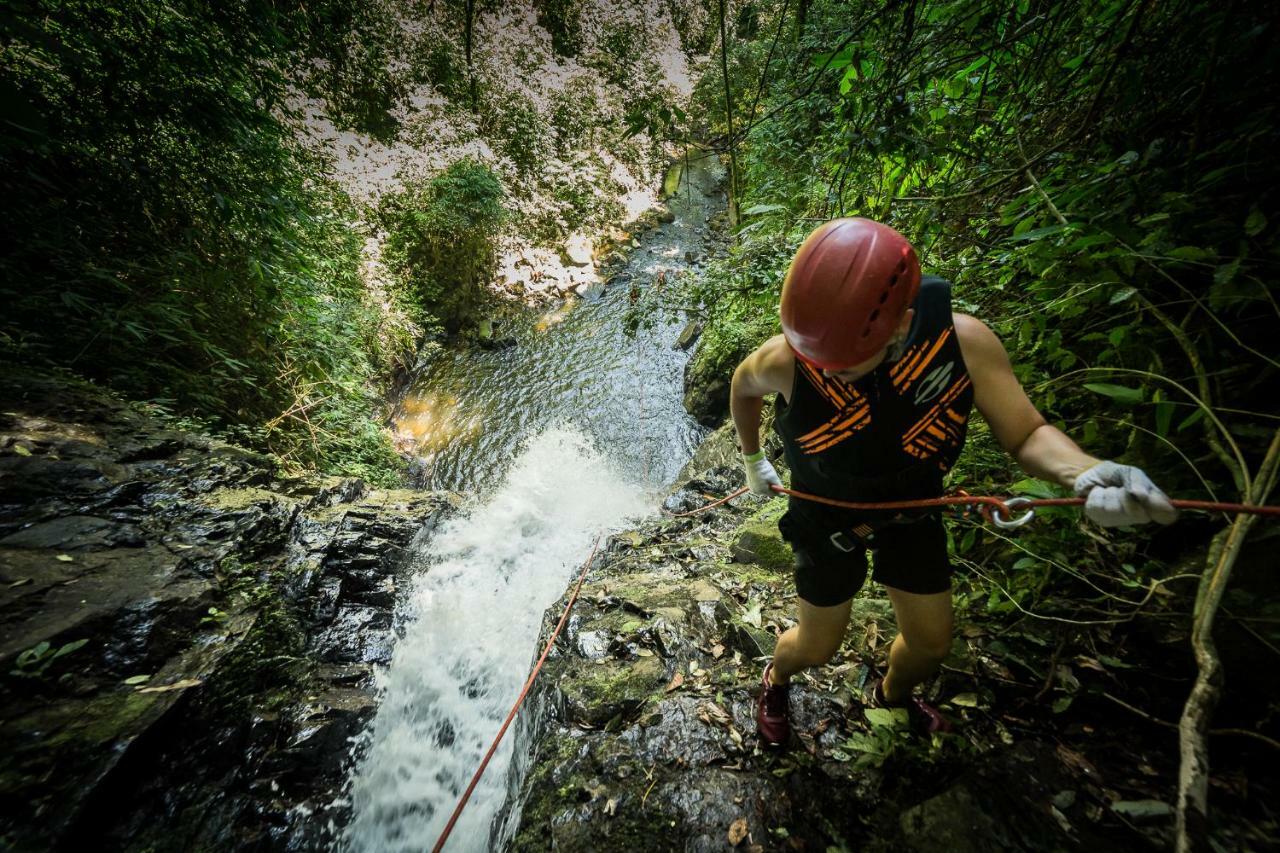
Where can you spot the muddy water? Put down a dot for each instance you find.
(567, 434)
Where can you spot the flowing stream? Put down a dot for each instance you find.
(568, 434)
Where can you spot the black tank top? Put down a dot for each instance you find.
(891, 435)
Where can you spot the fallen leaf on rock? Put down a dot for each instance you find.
(20, 582)
(65, 558)
(177, 685)
(717, 651)
(1142, 809)
(676, 681)
(610, 807)
(752, 613)
(137, 679)
(735, 736)
(965, 700)
(1090, 663)
(20, 450)
(713, 714)
(644, 653)
(738, 831)
(1074, 759)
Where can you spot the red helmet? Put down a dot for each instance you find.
(846, 291)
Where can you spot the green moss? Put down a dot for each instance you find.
(235, 499)
(261, 670)
(758, 540)
(598, 693)
(99, 721)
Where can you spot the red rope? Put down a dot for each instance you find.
(994, 503)
(457, 812)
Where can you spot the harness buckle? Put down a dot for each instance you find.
(844, 542)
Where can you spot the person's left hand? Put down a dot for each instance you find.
(1118, 495)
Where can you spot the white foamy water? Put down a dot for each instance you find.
(472, 621)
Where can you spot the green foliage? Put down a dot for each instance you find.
(562, 20)
(172, 238)
(521, 131)
(35, 661)
(888, 734)
(442, 239)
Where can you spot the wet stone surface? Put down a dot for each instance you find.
(188, 638)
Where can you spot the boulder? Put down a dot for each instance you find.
(577, 250)
(758, 541)
(689, 335)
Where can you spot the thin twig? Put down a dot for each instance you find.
(1274, 744)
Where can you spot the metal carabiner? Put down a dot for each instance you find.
(1012, 505)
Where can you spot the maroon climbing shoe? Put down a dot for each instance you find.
(925, 719)
(773, 713)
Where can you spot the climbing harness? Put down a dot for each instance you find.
(564, 617)
(1001, 511)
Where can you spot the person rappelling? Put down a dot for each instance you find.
(875, 379)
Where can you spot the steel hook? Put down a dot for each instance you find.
(1010, 523)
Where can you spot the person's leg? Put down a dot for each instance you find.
(923, 641)
(812, 641)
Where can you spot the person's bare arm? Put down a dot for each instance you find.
(1040, 449)
(768, 370)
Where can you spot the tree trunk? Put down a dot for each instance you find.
(471, 72)
(1193, 774)
(728, 116)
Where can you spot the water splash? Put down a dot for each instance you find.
(471, 623)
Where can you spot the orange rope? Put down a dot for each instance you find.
(992, 503)
(457, 812)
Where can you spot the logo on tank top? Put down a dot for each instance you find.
(934, 382)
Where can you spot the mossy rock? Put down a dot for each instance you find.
(597, 693)
(758, 540)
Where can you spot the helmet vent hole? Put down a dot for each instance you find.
(884, 296)
(893, 279)
(874, 315)
(866, 331)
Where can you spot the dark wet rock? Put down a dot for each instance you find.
(689, 335)
(214, 625)
(1008, 801)
(707, 399)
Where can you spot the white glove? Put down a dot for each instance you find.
(1118, 495)
(760, 474)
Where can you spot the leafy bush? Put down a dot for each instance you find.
(442, 240)
(521, 131)
(560, 18)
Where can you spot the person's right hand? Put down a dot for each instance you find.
(760, 474)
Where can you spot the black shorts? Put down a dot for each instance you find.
(910, 556)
